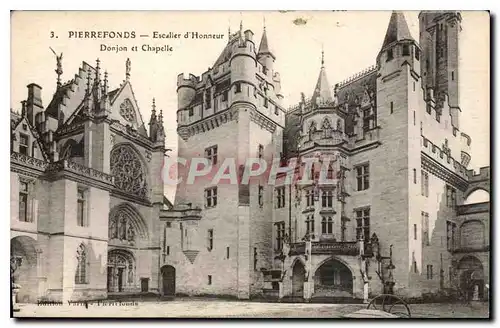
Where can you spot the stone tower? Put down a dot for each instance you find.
(439, 39)
(398, 98)
(229, 115)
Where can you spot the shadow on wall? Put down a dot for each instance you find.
(26, 274)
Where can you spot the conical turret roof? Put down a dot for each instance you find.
(322, 89)
(264, 45)
(397, 30)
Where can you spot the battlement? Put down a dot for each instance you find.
(356, 76)
(444, 158)
(484, 174)
(465, 141)
(246, 48)
(189, 82)
(304, 103)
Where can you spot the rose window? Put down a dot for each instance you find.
(128, 171)
(127, 111)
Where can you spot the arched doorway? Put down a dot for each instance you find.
(471, 275)
(26, 274)
(121, 272)
(298, 279)
(168, 280)
(333, 279)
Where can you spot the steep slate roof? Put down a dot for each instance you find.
(227, 51)
(356, 89)
(397, 30)
(53, 107)
(264, 45)
(322, 89)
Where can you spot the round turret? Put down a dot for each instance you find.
(243, 62)
(243, 71)
(186, 89)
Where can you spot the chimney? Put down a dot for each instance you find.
(34, 102)
(23, 110)
(248, 35)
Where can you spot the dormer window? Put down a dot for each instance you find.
(390, 55)
(23, 144)
(406, 50)
(208, 99)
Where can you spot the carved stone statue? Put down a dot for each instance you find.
(59, 61)
(113, 229)
(123, 228)
(130, 274)
(339, 125)
(130, 234)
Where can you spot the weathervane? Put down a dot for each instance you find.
(59, 69)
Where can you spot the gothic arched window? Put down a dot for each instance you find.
(128, 170)
(326, 127)
(81, 275)
(312, 129)
(127, 110)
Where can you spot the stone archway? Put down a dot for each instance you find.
(298, 279)
(471, 275)
(26, 275)
(126, 226)
(121, 275)
(168, 280)
(333, 279)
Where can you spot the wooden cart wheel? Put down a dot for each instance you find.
(391, 304)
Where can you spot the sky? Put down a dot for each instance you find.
(351, 41)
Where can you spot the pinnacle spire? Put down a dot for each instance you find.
(97, 82)
(152, 120)
(322, 90)
(322, 57)
(106, 86)
(128, 65)
(160, 117)
(397, 29)
(98, 70)
(264, 45)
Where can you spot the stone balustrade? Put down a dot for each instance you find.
(330, 248)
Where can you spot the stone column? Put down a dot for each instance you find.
(365, 292)
(309, 283)
(281, 292)
(40, 273)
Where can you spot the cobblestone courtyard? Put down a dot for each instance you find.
(203, 308)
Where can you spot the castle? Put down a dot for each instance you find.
(391, 220)
(89, 218)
